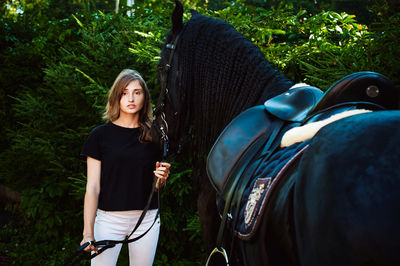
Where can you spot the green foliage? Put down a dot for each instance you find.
(58, 69)
(53, 119)
(181, 223)
(318, 49)
(384, 49)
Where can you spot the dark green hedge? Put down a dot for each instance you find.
(54, 77)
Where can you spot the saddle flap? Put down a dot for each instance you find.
(294, 104)
(233, 142)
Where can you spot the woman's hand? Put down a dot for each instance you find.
(91, 201)
(162, 173)
(90, 247)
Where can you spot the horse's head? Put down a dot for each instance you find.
(170, 118)
(209, 74)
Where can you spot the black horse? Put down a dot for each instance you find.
(339, 206)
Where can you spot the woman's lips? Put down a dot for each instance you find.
(131, 106)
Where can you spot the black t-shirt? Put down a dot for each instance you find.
(127, 167)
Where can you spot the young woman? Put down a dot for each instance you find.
(121, 165)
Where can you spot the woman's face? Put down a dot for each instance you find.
(132, 99)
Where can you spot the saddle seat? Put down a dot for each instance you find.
(360, 87)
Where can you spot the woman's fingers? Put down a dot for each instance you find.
(163, 169)
(163, 164)
(166, 165)
(161, 174)
(90, 247)
(93, 248)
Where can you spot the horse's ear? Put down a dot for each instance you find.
(177, 16)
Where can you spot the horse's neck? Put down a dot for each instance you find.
(224, 74)
(214, 106)
(218, 95)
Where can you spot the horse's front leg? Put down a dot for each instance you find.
(209, 218)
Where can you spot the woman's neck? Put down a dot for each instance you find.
(129, 121)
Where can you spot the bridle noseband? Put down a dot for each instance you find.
(159, 112)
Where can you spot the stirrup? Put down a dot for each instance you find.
(220, 250)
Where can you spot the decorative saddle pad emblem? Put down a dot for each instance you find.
(259, 187)
(257, 194)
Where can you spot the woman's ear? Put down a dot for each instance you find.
(177, 16)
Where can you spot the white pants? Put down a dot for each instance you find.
(116, 225)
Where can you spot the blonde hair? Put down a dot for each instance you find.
(111, 112)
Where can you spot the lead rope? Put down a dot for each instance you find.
(106, 244)
(164, 137)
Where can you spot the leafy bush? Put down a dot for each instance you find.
(321, 48)
(54, 120)
(64, 68)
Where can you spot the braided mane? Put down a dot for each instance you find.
(223, 74)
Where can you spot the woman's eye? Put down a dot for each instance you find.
(138, 93)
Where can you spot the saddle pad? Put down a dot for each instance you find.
(255, 196)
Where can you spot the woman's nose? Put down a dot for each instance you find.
(130, 98)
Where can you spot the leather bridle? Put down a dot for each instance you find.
(160, 123)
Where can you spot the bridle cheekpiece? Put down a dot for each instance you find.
(159, 112)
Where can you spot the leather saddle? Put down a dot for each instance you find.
(253, 127)
(255, 133)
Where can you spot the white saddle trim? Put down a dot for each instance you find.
(298, 85)
(303, 133)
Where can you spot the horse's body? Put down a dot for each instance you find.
(340, 206)
(346, 200)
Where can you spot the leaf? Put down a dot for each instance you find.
(339, 29)
(77, 21)
(150, 34)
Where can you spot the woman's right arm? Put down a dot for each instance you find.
(91, 200)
